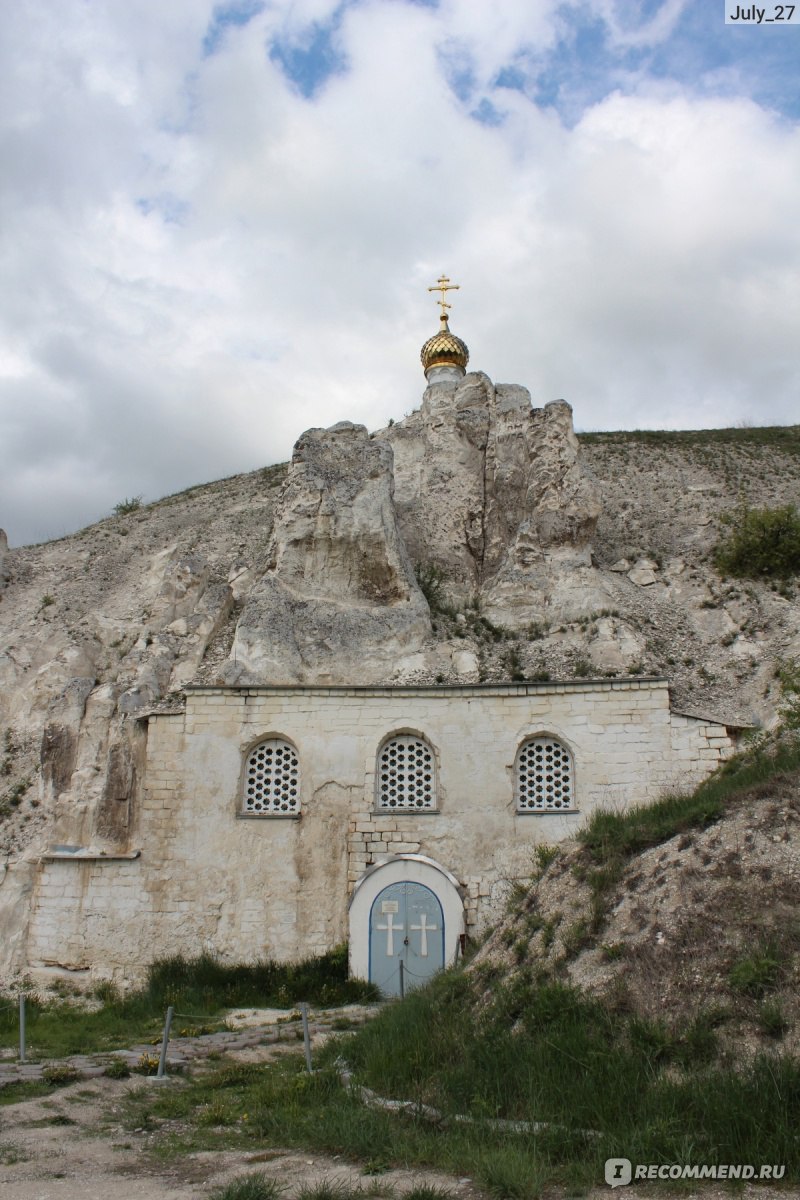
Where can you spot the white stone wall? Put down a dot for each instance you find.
(245, 887)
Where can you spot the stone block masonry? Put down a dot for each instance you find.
(278, 884)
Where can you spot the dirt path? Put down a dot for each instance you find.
(73, 1145)
(42, 1160)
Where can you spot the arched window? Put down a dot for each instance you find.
(406, 775)
(272, 779)
(544, 776)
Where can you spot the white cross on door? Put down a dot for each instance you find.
(390, 929)
(424, 929)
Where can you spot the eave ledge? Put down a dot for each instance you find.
(88, 854)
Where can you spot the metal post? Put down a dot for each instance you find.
(162, 1062)
(402, 981)
(306, 1036)
(22, 1027)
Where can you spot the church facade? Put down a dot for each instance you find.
(277, 821)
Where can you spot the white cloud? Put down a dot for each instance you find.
(626, 26)
(199, 263)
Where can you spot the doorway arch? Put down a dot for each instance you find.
(405, 909)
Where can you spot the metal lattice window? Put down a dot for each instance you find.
(272, 779)
(545, 778)
(406, 776)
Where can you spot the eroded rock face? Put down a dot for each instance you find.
(491, 491)
(476, 482)
(339, 599)
(439, 465)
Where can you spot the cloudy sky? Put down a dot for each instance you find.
(218, 223)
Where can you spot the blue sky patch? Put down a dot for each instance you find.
(513, 77)
(701, 55)
(456, 63)
(709, 57)
(237, 12)
(168, 207)
(310, 59)
(487, 114)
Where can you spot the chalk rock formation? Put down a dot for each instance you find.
(339, 600)
(491, 491)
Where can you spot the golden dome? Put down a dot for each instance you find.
(444, 349)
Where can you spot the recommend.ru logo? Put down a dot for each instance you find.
(621, 1171)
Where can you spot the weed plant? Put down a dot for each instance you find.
(759, 971)
(249, 1187)
(130, 504)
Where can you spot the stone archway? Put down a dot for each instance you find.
(406, 910)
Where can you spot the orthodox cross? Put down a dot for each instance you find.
(444, 286)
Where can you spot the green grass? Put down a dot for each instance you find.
(18, 1093)
(538, 1052)
(759, 971)
(203, 985)
(249, 1187)
(59, 1028)
(784, 438)
(610, 838)
(199, 989)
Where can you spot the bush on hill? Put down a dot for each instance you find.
(763, 543)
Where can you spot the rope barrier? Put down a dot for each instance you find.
(194, 1017)
(408, 971)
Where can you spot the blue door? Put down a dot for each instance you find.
(406, 925)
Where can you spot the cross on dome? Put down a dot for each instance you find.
(444, 286)
(444, 356)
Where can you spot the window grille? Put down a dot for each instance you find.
(544, 774)
(272, 779)
(406, 776)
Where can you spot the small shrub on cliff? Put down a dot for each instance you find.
(431, 579)
(757, 971)
(763, 543)
(130, 504)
